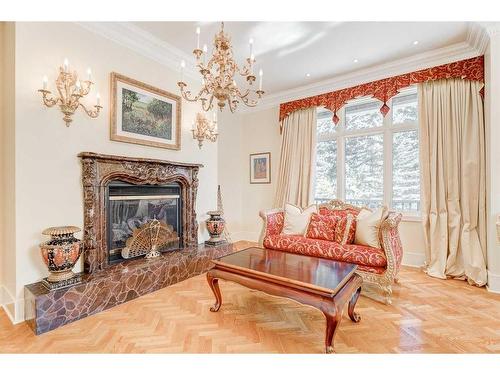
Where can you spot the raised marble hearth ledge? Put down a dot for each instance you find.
(46, 310)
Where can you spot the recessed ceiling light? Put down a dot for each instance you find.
(308, 75)
(355, 61)
(415, 42)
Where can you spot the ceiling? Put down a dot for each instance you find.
(288, 51)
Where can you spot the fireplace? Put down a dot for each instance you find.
(129, 207)
(119, 193)
(122, 193)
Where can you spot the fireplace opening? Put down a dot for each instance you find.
(131, 207)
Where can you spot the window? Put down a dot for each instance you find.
(369, 160)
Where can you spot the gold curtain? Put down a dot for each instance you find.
(296, 159)
(452, 158)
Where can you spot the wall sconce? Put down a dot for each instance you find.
(204, 129)
(69, 92)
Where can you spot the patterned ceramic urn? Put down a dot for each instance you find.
(60, 254)
(215, 226)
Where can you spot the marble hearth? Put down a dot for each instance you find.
(107, 284)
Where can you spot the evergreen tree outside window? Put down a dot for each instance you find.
(370, 160)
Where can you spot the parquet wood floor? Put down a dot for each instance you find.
(428, 315)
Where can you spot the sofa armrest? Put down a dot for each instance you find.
(272, 222)
(391, 243)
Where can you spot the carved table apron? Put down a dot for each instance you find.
(330, 304)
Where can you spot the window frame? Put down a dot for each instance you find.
(387, 129)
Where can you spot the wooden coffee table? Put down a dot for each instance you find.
(325, 284)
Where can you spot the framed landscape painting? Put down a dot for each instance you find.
(260, 168)
(144, 114)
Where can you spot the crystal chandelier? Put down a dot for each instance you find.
(218, 76)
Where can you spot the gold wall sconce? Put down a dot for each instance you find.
(69, 92)
(203, 129)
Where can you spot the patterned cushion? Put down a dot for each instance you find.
(322, 227)
(274, 222)
(362, 255)
(345, 230)
(346, 227)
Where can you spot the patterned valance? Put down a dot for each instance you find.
(384, 89)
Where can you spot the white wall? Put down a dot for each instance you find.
(260, 133)
(492, 123)
(48, 172)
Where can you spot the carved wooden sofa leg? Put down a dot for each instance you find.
(387, 293)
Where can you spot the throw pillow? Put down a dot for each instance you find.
(296, 219)
(322, 227)
(345, 229)
(368, 226)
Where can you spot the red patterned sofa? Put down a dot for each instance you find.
(375, 266)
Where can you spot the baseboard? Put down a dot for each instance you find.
(493, 285)
(413, 259)
(12, 307)
(245, 236)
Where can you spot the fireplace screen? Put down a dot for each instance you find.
(130, 207)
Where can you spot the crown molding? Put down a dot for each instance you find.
(144, 43)
(475, 45)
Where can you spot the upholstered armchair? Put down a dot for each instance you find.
(383, 277)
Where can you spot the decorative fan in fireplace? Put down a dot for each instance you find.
(148, 239)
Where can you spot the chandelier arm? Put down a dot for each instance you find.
(249, 102)
(186, 95)
(206, 109)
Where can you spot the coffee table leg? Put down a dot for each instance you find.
(333, 319)
(214, 285)
(355, 317)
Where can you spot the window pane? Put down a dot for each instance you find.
(405, 172)
(325, 124)
(363, 116)
(364, 170)
(326, 171)
(404, 109)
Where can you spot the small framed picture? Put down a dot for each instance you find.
(144, 114)
(260, 168)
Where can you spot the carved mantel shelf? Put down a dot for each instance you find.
(98, 170)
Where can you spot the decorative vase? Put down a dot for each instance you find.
(215, 226)
(60, 255)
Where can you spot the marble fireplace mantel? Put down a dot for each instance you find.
(98, 170)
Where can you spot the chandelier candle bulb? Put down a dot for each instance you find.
(98, 99)
(250, 42)
(66, 65)
(89, 74)
(198, 37)
(252, 59)
(45, 82)
(261, 73)
(205, 50)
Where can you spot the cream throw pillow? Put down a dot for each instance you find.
(296, 219)
(368, 227)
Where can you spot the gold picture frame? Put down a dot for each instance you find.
(260, 168)
(152, 117)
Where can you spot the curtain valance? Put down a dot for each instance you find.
(384, 89)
